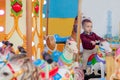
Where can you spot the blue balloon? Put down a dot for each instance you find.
(60, 39)
(56, 55)
(57, 77)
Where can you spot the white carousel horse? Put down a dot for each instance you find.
(19, 67)
(68, 54)
(97, 61)
(116, 74)
(5, 53)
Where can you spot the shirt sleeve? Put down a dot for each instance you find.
(98, 37)
(84, 39)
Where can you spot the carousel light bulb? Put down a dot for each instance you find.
(44, 28)
(1, 44)
(44, 41)
(45, 2)
(33, 44)
(2, 12)
(32, 15)
(33, 58)
(32, 0)
(1, 28)
(43, 15)
(32, 29)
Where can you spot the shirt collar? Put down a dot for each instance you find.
(87, 34)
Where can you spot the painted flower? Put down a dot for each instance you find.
(17, 7)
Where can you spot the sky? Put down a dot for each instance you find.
(97, 11)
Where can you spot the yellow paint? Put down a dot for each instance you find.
(61, 26)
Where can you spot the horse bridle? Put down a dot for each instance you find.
(5, 60)
(15, 74)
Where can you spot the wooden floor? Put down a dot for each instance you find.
(109, 66)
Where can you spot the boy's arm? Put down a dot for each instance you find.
(98, 37)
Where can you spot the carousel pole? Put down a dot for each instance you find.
(119, 31)
(47, 17)
(29, 26)
(79, 27)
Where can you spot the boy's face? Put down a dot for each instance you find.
(87, 26)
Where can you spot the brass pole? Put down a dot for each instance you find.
(29, 26)
(79, 26)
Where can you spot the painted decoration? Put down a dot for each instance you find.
(16, 7)
(36, 8)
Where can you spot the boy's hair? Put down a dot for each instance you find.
(83, 21)
(86, 20)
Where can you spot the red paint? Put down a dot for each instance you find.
(37, 8)
(91, 57)
(12, 70)
(17, 7)
(51, 73)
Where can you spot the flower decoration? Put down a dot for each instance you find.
(16, 7)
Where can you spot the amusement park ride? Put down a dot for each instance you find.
(53, 57)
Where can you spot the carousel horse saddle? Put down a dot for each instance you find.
(60, 39)
(94, 58)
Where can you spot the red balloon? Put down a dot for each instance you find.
(17, 7)
(37, 8)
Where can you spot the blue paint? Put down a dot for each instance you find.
(57, 77)
(62, 8)
(60, 39)
(56, 55)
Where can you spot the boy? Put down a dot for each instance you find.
(88, 39)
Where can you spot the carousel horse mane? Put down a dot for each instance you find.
(24, 64)
(18, 56)
(30, 71)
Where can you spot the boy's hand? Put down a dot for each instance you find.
(93, 42)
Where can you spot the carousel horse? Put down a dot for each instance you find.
(97, 61)
(5, 53)
(68, 53)
(19, 67)
(116, 74)
(70, 49)
(67, 56)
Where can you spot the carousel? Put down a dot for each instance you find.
(32, 48)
